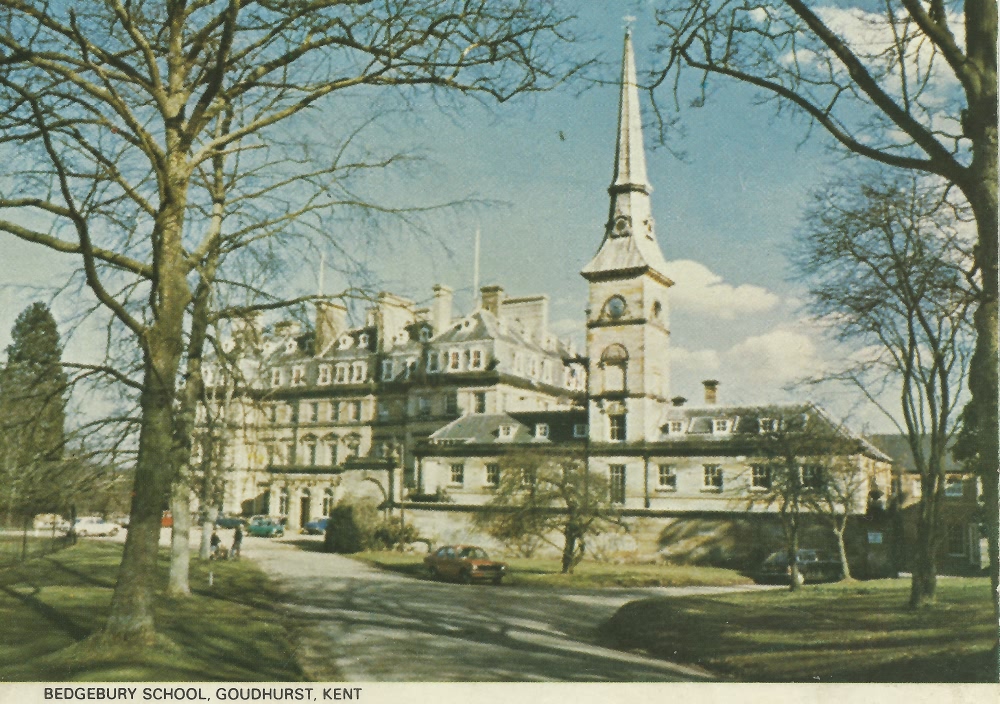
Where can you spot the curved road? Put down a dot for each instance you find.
(358, 623)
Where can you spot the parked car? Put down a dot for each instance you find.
(814, 566)
(94, 525)
(265, 527)
(230, 521)
(50, 521)
(466, 563)
(167, 520)
(317, 527)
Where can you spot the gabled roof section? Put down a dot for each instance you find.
(510, 428)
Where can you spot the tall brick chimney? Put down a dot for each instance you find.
(492, 299)
(441, 308)
(331, 320)
(711, 391)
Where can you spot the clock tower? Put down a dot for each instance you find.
(628, 334)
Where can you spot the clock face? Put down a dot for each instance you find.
(616, 306)
(621, 226)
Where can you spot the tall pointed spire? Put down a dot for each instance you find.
(629, 244)
(630, 157)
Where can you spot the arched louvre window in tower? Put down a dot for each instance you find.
(614, 361)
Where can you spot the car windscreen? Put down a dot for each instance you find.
(474, 554)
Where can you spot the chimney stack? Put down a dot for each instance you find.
(711, 391)
(331, 320)
(678, 401)
(441, 308)
(491, 298)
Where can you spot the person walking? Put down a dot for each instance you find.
(237, 542)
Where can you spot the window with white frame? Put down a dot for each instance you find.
(617, 477)
(457, 474)
(324, 374)
(541, 430)
(386, 369)
(506, 432)
(675, 427)
(454, 360)
(276, 377)
(666, 479)
(327, 501)
(272, 413)
(314, 412)
(479, 401)
(283, 501)
(311, 452)
(354, 410)
(616, 427)
(334, 411)
(720, 425)
(954, 487)
(359, 372)
(341, 377)
(580, 430)
(712, 477)
(769, 425)
(493, 474)
(813, 476)
(476, 361)
(760, 476)
(298, 376)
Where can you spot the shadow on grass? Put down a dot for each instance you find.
(838, 633)
(50, 614)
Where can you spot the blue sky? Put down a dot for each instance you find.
(725, 218)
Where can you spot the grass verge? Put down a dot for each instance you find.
(847, 632)
(587, 575)
(51, 606)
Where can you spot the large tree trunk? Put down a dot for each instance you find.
(131, 616)
(924, 557)
(180, 537)
(569, 551)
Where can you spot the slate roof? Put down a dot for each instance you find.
(484, 428)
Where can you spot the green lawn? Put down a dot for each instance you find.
(50, 605)
(587, 575)
(12, 545)
(849, 632)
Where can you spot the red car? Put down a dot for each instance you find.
(466, 563)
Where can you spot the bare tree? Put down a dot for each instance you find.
(541, 494)
(115, 105)
(889, 270)
(907, 83)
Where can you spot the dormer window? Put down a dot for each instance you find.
(290, 346)
(298, 376)
(276, 377)
(425, 334)
(675, 427)
(506, 432)
(363, 340)
(769, 425)
(721, 425)
(345, 342)
(541, 430)
(476, 361)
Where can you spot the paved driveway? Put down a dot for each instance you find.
(363, 624)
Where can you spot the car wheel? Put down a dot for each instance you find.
(466, 576)
(498, 579)
(433, 572)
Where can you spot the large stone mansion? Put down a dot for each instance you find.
(418, 406)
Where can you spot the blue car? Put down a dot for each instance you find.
(317, 527)
(230, 521)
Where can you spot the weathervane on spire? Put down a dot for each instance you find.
(628, 20)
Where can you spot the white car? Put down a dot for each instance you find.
(95, 525)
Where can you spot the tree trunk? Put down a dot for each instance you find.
(131, 616)
(838, 532)
(206, 538)
(180, 538)
(794, 575)
(569, 552)
(924, 560)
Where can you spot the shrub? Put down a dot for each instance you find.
(392, 533)
(352, 527)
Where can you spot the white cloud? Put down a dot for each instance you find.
(774, 359)
(699, 290)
